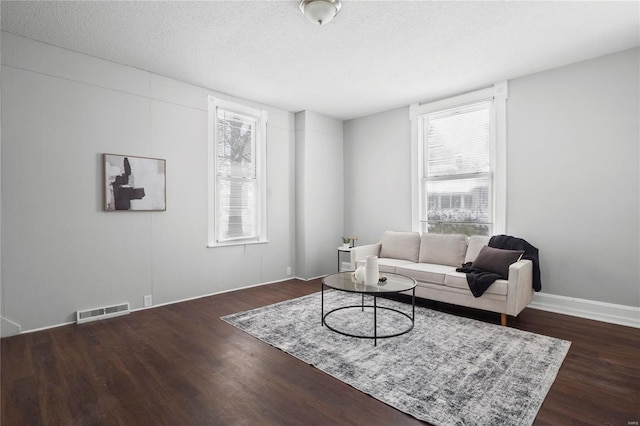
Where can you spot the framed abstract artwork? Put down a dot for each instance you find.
(134, 183)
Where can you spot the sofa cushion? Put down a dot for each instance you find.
(459, 280)
(443, 249)
(496, 260)
(426, 272)
(476, 242)
(400, 245)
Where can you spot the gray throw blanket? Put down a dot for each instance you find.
(479, 280)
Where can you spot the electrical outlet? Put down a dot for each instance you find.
(288, 270)
(147, 301)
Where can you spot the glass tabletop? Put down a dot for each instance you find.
(346, 281)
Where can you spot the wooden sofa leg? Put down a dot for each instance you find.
(503, 319)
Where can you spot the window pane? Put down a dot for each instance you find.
(460, 228)
(236, 145)
(237, 190)
(237, 208)
(457, 170)
(457, 141)
(459, 203)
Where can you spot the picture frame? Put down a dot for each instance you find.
(133, 183)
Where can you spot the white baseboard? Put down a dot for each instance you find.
(309, 279)
(590, 309)
(583, 308)
(34, 330)
(213, 294)
(144, 308)
(8, 327)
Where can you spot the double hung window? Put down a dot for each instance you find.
(460, 165)
(236, 173)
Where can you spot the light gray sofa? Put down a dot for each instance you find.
(432, 259)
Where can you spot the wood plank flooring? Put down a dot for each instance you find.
(180, 365)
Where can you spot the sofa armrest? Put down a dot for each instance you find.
(520, 286)
(361, 253)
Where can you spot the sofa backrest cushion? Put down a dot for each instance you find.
(476, 242)
(443, 249)
(400, 245)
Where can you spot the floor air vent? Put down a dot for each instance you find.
(102, 313)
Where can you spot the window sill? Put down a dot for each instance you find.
(236, 243)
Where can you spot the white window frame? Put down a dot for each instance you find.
(261, 116)
(498, 151)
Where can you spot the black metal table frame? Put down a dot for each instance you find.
(375, 307)
(342, 250)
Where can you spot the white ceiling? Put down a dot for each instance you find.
(374, 56)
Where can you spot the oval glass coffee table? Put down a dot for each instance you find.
(394, 283)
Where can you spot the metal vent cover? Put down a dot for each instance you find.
(102, 313)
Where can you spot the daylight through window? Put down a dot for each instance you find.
(459, 163)
(237, 174)
(457, 173)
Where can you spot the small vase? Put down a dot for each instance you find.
(371, 273)
(360, 274)
(346, 246)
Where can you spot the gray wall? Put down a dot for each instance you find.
(572, 166)
(573, 183)
(377, 168)
(2, 321)
(62, 110)
(319, 193)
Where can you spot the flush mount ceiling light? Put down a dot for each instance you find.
(320, 11)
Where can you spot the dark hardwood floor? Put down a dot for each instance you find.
(181, 365)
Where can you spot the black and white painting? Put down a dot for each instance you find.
(134, 183)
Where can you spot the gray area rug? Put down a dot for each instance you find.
(448, 370)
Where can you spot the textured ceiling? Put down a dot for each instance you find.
(374, 56)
